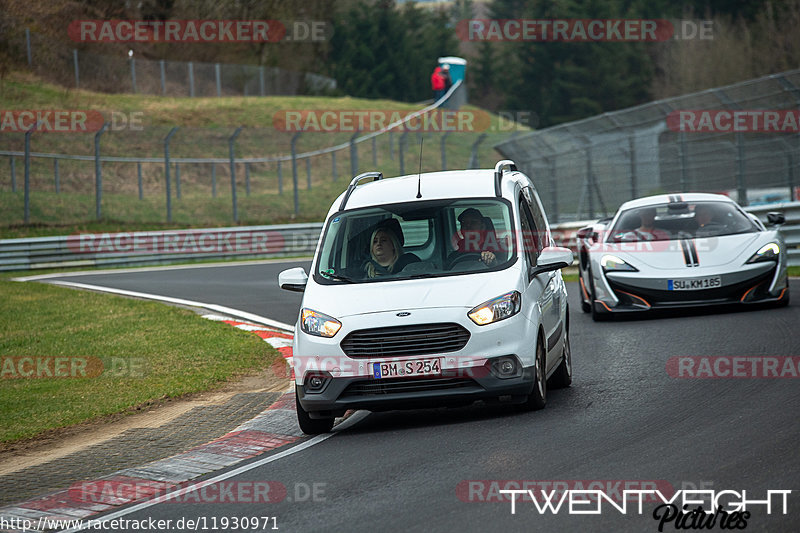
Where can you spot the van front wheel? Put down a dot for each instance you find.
(311, 426)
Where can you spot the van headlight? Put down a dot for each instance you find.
(768, 252)
(318, 324)
(496, 309)
(612, 262)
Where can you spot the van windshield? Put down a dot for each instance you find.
(418, 239)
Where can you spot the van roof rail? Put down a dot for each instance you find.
(354, 183)
(498, 173)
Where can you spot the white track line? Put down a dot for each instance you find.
(158, 268)
(352, 420)
(179, 301)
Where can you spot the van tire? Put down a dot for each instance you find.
(537, 399)
(311, 426)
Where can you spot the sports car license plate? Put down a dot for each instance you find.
(696, 284)
(399, 369)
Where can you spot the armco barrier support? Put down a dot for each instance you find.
(165, 247)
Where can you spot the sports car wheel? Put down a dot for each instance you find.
(596, 316)
(586, 307)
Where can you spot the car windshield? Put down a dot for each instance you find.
(680, 220)
(419, 239)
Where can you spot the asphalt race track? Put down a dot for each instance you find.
(624, 419)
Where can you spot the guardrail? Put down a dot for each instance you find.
(251, 242)
(158, 247)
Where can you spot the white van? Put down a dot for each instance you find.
(431, 290)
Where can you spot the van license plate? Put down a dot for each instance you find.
(399, 369)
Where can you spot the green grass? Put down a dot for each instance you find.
(205, 126)
(172, 352)
(794, 271)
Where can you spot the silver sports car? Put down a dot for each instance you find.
(680, 250)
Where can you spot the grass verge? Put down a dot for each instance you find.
(119, 353)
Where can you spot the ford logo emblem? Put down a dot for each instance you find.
(404, 313)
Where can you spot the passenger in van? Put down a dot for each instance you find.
(476, 235)
(386, 251)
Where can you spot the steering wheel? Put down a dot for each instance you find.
(468, 256)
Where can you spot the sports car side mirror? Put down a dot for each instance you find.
(775, 218)
(587, 233)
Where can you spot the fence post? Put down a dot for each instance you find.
(553, 187)
(401, 149)
(178, 180)
(56, 176)
(13, 174)
(166, 170)
(163, 77)
(294, 172)
(374, 152)
(191, 79)
(98, 173)
(213, 180)
(741, 185)
(280, 178)
(233, 170)
(28, 46)
(354, 154)
(589, 179)
(632, 144)
(139, 179)
(219, 81)
(683, 156)
(247, 179)
(133, 74)
(77, 73)
(308, 173)
(391, 145)
(444, 150)
(790, 174)
(27, 185)
(261, 79)
(333, 164)
(473, 158)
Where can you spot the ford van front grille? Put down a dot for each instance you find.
(418, 339)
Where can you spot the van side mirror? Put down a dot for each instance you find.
(552, 258)
(293, 279)
(775, 218)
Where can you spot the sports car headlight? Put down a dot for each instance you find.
(496, 309)
(612, 262)
(768, 252)
(318, 324)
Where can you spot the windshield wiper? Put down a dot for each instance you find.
(337, 277)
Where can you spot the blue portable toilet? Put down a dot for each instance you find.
(458, 67)
(458, 71)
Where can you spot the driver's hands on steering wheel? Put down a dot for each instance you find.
(488, 258)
